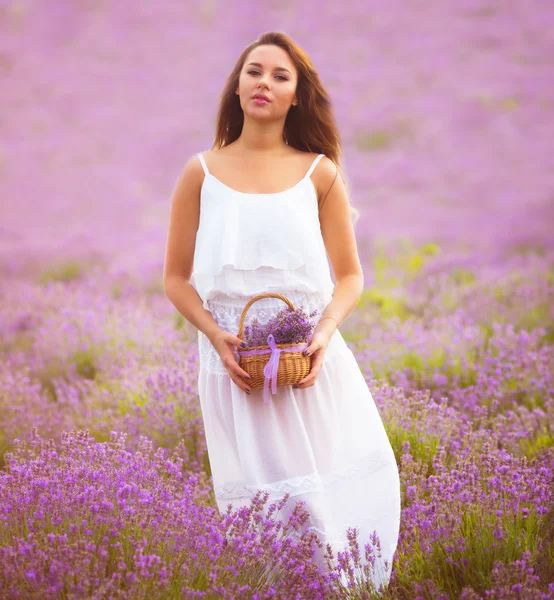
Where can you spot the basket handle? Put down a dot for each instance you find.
(255, 299)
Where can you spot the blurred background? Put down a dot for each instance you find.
(445, 111)
(445, 108)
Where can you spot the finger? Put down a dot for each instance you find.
(241, 384)
(317, 360)
(242, 373)
(235, 371)
(234, 340)
(312, 347)
(239, 343)
(304, 384)
(311, 376)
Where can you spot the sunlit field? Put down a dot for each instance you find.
(446, 111)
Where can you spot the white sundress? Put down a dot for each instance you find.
(325, 444)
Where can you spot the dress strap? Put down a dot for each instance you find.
(314, 164)
(204, 165)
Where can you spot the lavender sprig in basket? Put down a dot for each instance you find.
(275, 350)
(287, 326)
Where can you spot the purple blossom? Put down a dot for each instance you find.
(287, 326)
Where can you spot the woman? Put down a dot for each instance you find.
(260, 212)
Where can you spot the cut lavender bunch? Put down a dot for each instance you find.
(287, 326)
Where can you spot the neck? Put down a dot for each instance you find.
(266, 138)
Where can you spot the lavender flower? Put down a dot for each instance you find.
(287, 326)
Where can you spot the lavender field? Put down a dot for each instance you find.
(446, 111)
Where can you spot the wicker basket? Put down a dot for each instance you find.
(287, 360)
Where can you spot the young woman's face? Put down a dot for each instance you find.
(273, 75)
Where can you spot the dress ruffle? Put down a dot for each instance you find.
(248, 244)
(238, 283)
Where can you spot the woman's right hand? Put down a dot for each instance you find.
(224, 342)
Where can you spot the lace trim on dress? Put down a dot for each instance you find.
(314, 482)
(227, 316)
(336, 536)
(264, 273)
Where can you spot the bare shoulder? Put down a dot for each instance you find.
(323, 176)
(224, 151)
(209, 153)
(184, 217)
(307, 158)
(189, 182)
(220, 156)
(192, 168)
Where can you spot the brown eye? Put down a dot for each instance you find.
(257, 73)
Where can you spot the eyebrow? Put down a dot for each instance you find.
(276, 68)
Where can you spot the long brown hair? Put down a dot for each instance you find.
(310, 126)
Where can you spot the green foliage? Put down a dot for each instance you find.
(46, 378)
(5, 445)
(85, 361)
(430, 249)
(179, 321)
(462, 276)
(374, 140)
(506, 104)
(423, 447)
(535, 317)
(465, 373)
(535, 445)
(381, 139)
(69, 270)
(155, 287)
(404, 264)
(387, 303)
(421, 368)
(472, 564)
(354, 337)
(436, 359)
(131, 400)
(509, 103)
(20, 342)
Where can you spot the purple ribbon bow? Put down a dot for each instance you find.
(272, 367)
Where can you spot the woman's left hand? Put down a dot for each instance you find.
(317, 347)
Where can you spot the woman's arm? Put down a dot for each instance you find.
(179, 258)
(338, 235)
(179, 254)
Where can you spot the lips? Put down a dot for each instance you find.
(261, 97)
